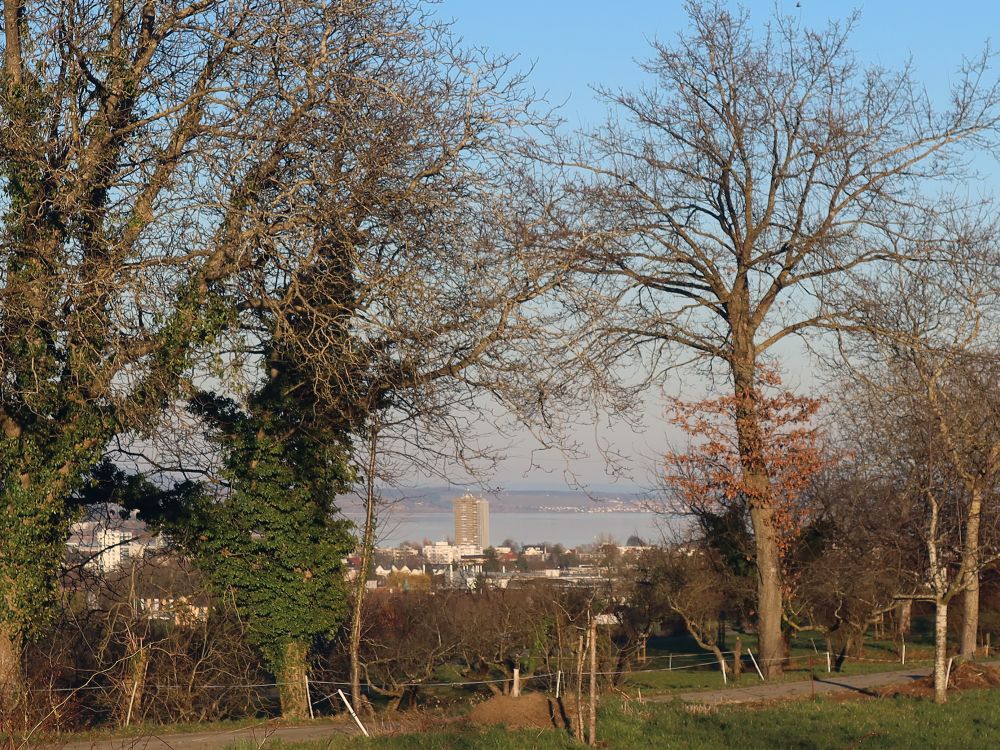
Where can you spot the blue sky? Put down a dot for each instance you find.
(574, 44)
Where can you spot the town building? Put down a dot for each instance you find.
(442, 553)
(102, 546)
(472, 521)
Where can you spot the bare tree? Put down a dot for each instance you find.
(859, 551)
(926, 367)
(142, 642)
(759, 170)
(692, 582)
(402, 290)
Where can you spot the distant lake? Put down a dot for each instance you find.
(568, 529)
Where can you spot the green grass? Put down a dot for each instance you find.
(807, 654)
(709, 678)
(969, 720)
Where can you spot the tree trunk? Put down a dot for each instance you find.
(355, 641)
(360, 587)
(580, 655)
(11, 679)
(970, 563)
(135, 684)
(904, 614)
(750, 442)
(970, 621)
(940, 651)
(852, 646)
(12, 16)
(769, 605)
(292, 682)
(737, 658)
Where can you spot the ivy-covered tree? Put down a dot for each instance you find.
(271, 538)
(174, 175)
(134, 141)
(109, 126)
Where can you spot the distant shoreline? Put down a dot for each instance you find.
(528, 509)
(569, 528)
(421, 503)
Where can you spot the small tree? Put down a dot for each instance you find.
(710, 481)
(691, 581)
(857, 553)
(924, 371)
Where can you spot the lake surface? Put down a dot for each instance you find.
(568, 529)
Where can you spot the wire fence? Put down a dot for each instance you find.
(676, 662)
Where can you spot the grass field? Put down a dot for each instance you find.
(970, 720)
(695, 671)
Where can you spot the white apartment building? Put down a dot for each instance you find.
(442, 553)
(105, 548)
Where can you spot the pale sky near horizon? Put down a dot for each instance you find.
(571, 45)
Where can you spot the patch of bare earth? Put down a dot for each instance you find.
(527, 711)
(967, 676)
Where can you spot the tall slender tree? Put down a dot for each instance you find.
(924, 359)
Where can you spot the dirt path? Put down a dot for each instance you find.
(258, 736)
(827, 684)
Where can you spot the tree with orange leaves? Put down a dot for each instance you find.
(710, 479)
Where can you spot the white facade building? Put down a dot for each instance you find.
(442, 553)
(105, 548)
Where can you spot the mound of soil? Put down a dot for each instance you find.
(528, 711)
(967, 676)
